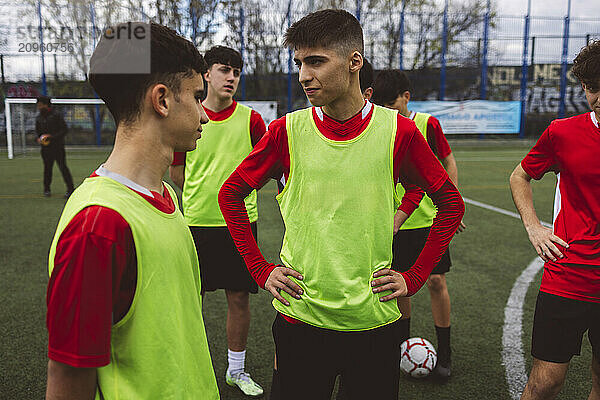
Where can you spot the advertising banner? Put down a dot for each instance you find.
(473, 116)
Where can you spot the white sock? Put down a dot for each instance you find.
(236, 361)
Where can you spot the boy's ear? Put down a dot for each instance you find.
(406, 95)
(356, 62)
(159, 99)
(368, 93)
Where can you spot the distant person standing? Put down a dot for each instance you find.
(51, 128)
(229, 136)
(391, 89)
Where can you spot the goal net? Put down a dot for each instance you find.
(88, 122)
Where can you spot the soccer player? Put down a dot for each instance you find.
(227, 139)
(392, 89)
(124, 306)
(340, 159)
(51, 129)
(568, 302)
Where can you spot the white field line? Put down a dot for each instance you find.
(513, 357)
(499, 210)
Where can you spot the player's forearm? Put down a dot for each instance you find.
(451, 209)
(67, 383)
(231, 201)
(411, 198)
(520, 187)
(449, 163)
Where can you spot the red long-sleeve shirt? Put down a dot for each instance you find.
(93, 282)
(414, 164)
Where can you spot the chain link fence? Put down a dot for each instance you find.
(449, 54)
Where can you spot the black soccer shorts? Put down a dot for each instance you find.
(558, 327)
(221, 265)
(407, 246)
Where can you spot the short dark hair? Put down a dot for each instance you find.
(44, 100)
(223, 55)
(366, 75)
(172, 58)
(388, 85)
(586, 66)
(329, 28)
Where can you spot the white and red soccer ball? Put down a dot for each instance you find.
(417, 357)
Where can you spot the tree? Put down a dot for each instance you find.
(192, 18)
(78, 25)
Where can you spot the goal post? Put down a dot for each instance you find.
(10, 105)
(87, 125)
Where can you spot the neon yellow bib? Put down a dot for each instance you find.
(338, 210)
(423, 216)
(222, 147)
(159, 349)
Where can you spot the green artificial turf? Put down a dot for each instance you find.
(487, 258)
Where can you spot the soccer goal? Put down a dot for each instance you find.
(85, 118)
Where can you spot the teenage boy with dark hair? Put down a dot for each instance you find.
(392, 89)
(568, 302)
(366, 79)
(51, 129)
(340, 160)
(124, 306)
(227, 139)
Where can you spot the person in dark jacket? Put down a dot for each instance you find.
(51, 128)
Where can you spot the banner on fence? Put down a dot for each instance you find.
(473, 116)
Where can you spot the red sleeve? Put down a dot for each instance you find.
(450, 210)
(231, 200)
(269, 159)
(439, 145)
(436, 139)
(541, 158)
(415, 163)
(95, 256)
(257, 127)
(411, 198)
(178, 158)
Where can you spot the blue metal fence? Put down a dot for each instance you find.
(495, 58)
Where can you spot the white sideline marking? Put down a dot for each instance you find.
(499, 210)
(513, 358)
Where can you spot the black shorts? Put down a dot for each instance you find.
(558, 327)
(221, 266)
(310, 358)
(407, 246)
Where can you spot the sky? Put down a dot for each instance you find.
(511, 51)
(548, 8)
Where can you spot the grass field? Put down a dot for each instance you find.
(487, 259)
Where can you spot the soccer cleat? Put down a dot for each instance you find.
(245, 383)
(68, 194)
(442, 372)
(47, 193)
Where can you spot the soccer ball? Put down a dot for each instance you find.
(417, 357)
(45, 139)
